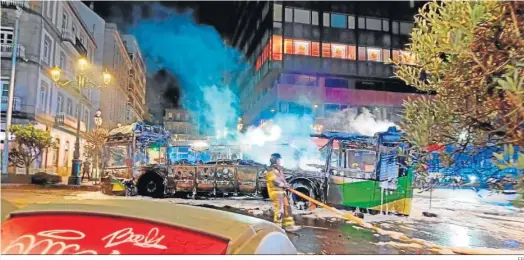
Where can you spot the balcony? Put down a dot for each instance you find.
(68, 120)
(7, 50)
(20, 3)
(69, 36)
(17, 104)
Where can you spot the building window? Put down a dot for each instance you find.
(326, 20)
(302, 16)
(373, 24)
(405, 28)
(361, 23)
(338, 51)
(277, 13)
(395, 27)
(69, 107)
(326, 50)
(362, 53)
(352, 52)
(385, 55)
(288, 46)
(336, 83)
(73, 29)
(374, 54)
(170, 116)
(338, 21)
(351, 22)
(6, 35)
(314, 18)
(396, 55)
(288, 15)
(43, 96)
(408, 58)
(177, 116)
(65, 24)
(315, 49)
(59, 103)
(5, 88)
(385, 25)
(45, 50)
(62, 61)
(301, 47)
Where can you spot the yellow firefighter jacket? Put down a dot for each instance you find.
(275, 180)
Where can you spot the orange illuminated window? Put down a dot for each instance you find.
(385, 55)
(315, 49)
(276, 47)
(396, 55)
(338, 51)
(301, 47)
(326, 50)
(352, 52)
(374, 54)
(266, 53)
(407, 57)
(288, 46)
(258, 64)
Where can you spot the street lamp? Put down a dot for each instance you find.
(80, 83)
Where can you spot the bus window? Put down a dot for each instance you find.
(363, 160)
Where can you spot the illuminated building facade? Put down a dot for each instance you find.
(319, 57)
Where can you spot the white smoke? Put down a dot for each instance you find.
(289, 135)
(365, 123)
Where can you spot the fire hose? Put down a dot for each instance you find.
(392, 234)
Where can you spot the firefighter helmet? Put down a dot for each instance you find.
(274, 158)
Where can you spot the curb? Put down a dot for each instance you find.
(51, 187)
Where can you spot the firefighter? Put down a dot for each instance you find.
(276, 185)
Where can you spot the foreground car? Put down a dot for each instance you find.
(136, 227)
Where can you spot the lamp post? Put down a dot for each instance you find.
(98, 123)
(80, 83)
(10, 97)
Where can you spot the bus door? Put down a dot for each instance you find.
(358, 177)
(392, 183)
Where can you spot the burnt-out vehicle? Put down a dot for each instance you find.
(359, 172)
(134, 160)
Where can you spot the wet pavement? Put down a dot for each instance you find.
(320, 236)
(329, 235)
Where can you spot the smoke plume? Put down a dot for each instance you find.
(349, 120)
(201, 61)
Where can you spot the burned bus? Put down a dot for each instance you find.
(359, 171)
(135, 159)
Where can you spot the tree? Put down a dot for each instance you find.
(95, 141)
(30, 142)
(470, 56)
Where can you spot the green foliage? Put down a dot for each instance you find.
(30, 142)
(470, 54)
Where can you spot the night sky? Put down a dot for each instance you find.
(218, 14)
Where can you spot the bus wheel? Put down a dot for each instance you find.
(306, 189)
(151, 185)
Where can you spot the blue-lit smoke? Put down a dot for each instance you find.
(197, 55)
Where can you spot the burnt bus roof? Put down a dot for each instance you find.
(392, 135)
(143, 132)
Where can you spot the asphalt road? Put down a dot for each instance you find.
(335, 236)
